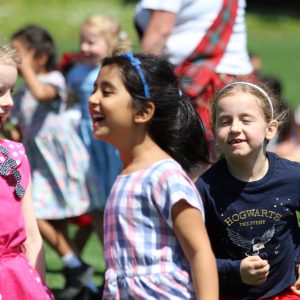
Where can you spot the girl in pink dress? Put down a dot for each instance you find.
(22, 265)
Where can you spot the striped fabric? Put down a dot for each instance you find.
(144, 260)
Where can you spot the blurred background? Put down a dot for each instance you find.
(273, 38)
(273, 29)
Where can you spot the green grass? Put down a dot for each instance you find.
(92, 255)
(62, 17)
(275, 39)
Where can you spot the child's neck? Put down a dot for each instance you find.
(248, 170)
(141, 156)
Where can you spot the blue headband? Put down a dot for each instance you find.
(136, 64)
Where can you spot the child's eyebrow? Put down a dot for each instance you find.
(107, 84)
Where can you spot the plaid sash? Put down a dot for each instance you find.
(196, 71)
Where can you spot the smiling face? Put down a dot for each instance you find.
(93, 46)
(240, 127)
(111, 107)
(8, 77)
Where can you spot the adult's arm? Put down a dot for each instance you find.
(158, 30)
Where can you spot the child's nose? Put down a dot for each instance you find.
(83, 47)
(235, 126)
(92, 99)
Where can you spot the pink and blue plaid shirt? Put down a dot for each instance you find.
(144, 259)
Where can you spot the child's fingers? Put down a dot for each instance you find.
(295, 290)
(261, 266)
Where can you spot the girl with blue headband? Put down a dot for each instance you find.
(155, 241)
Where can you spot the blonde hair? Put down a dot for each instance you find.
(269, 102)
(8, 55)
(108, 27)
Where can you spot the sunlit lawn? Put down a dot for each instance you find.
(92, 255)
(274, 39)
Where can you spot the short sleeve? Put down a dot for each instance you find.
(57, 79)
(170, 6)
(171, 186)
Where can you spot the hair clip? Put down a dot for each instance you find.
(136, 64)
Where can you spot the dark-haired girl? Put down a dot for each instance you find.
(156, 245)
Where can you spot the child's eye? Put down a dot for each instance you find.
(224, 122)
(246, 121)
(106, 92)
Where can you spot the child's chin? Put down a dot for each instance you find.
(91, 62)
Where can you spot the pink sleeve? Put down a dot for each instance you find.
(24, 169)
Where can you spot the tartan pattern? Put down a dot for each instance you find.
(195, 72)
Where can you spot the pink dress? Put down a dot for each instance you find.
(18, 279)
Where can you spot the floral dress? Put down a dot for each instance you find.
(58, 158)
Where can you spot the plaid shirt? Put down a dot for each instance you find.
(144, 259)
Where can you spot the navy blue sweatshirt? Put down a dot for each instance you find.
(253, 218)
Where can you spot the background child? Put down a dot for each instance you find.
(150, 251)
(288, 139)
(251, 198)
(98, 36)
(57, 156)
(22, 255)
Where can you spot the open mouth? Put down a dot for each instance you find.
(98, 118)
(236, 141)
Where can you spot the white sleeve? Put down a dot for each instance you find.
(166, 5)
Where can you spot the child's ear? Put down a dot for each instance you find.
(145, 113)
(271, 129)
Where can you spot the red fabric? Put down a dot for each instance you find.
(216, 82)
(68, 60)
(82, 220)
(285, 295)
(197, 74)
(196, 71)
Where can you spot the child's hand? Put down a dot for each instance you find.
(27, 60)
(296, 287)
(254, 270)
